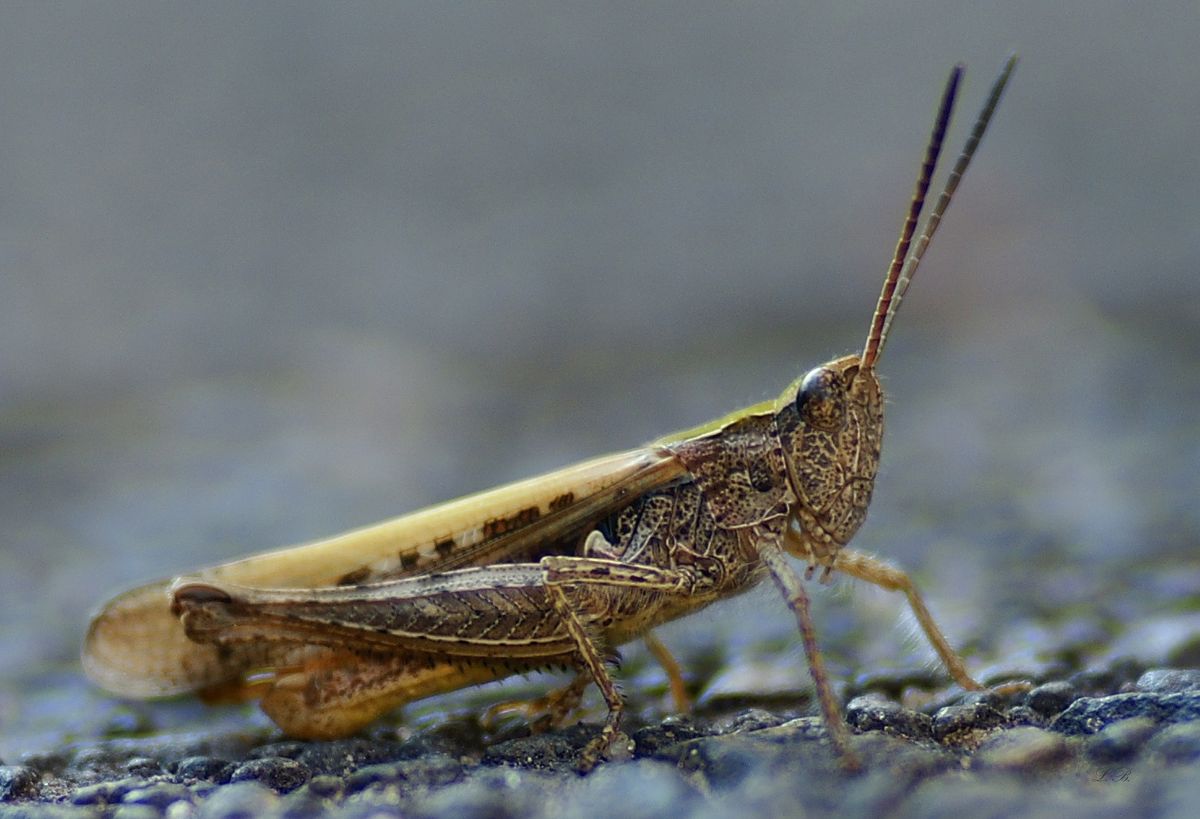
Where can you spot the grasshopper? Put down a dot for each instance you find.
(557, 570)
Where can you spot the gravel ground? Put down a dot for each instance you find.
(1110, 741)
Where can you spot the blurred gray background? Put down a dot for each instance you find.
(268, 272)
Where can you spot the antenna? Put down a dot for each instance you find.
(901, 271)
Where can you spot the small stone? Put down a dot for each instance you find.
(1023, 715)
(105, 793)
(872, 712)
(1120, 741)
(725, 761)
(956, 723)
(200, 768)
(1089, 715)
(326, 786)
(18, 782)
(160, 795)
(370, 775)
(202, 790)
(1052, 697)
(241, 800)
(986, 697)
(276, 772)
(302, 804)
(1169, 680)
(98, 794)
(1025, 749)
(432, 771)
(342, 757)
(1177, 743)
(653, 738)
(1100, 682)
(143, 766)
(656, 788)
(123, 786)
(554, 750)
(479, 798)
(49, 762)
(751, 719)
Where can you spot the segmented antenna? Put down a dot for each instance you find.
(876, 334)
(901, 271)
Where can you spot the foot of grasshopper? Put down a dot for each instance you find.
(593, 664)
(550, 711)
(554, 570)
(553, 709)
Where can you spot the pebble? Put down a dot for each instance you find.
(98, 794)
(1099, 682)
(49, 762)
(1169, 680)
(1024, 749)
(18, 782)
(555, 751)
(872, 712)
(649, 740)
(1120, 741)
(326, 786)
(143, 766)
(750, 719)
(241, 800)
(952, 796)
(1051, 698)
(370, 775)
(275, 772)
(199, 768)
(107, 793)
(1091, 714)
(656, 787)
(958, 724)
(1176, 743)
(160, 795)
(1024, 715)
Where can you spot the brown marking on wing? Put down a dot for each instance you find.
(355, 577)
(510, 523)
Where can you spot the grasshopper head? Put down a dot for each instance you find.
(831, 420)
(831, 426)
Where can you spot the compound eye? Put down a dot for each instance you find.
(821, 399)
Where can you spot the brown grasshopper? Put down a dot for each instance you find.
(553, 571)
